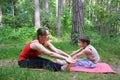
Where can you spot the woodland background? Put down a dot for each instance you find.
(65, 19)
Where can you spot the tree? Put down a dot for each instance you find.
(46, 5)
(0, 17)
(58, 12)
(36, 14)
(14, 12)
(77, 19)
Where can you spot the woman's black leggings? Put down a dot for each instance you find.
(39, 62)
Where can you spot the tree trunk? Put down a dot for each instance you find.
(13, 13)
(58, 14)
(100, 26)
(0, 17)
(107, 27)
(36, 14)
(77, 19)
(117, 11)
(46, 5)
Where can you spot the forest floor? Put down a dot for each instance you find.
(11, 62)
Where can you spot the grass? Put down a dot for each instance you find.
(16, 73)
(10, 49)
(109, 53)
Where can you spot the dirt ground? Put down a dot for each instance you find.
(8, 62)
(116, 67)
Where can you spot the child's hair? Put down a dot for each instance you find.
(84, 38)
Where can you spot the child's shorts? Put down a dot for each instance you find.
(84, 63)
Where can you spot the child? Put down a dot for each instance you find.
(92, 56)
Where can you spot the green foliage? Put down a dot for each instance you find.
(25, 33)
(88, 23)
(94, 35)
(48, 20)
(8, 20)
(96, 15)
(102, 16)
(4, 32)
(22, 15)
(20, 20)
(66, 21)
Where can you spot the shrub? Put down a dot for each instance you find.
(24, 33)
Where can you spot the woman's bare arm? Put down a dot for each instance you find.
(54, 49)
(41, 48)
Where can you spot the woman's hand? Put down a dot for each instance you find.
(70, 60)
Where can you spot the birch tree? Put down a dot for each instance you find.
(46, 5)
(58, 14)
(0, 16)
(36, 14)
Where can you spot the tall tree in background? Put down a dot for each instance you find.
(102, 15)
(58, 12)
(36, 14)
(77, 19)
(14, 12)
(0, 16)
(46, 17)
(1, 11)
(46, 5)
(107, 28)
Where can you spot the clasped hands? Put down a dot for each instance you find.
(70, 60)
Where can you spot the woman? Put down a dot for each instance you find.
(29, 58)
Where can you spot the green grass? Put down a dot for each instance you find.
(11, 49)
(108, 50)
(16, 73)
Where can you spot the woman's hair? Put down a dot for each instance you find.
(84, 38)
(41, 32)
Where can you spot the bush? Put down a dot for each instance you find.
(24, 33)
(4, 32)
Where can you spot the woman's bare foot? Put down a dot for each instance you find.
(66, 67)
(63, 62)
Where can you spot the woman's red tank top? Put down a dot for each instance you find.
(27, 52)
